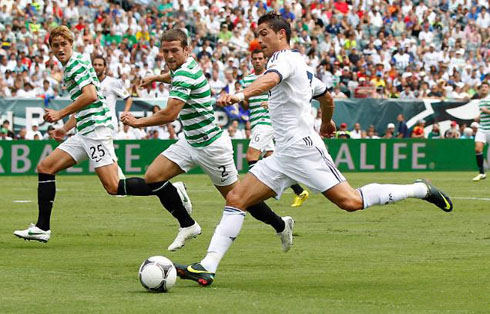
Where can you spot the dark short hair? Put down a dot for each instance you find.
(276, 22)
(175, 35)
(99, 57)
(257, 51)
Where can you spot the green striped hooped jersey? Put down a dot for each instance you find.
(78, 73)
(191, 86)
(485, 117)
(258, 114)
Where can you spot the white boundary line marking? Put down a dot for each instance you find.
(471, 198)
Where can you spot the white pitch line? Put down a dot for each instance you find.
(471, 198)
(22, 201)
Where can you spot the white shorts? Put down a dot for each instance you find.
(97, 147)
(306, 161)
(216, 159)
(482, 136)
(262, 138)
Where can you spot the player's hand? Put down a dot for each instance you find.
(146, 81)
(51, 115)
(327, 129)
(128, 119)
(59, 135)
(226, 100)
(265, 105)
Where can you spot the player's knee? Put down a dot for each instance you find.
(111, 189)
(350, 204)
(233, 199)
(151, 177)
(43, 167)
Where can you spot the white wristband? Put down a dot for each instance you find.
(240, 96)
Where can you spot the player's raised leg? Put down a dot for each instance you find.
(46, 190)
(247, 192)
(349, 199)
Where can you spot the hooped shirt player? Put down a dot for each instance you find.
(94, 123)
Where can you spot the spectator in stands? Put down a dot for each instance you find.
(467, 134)
(126, 134)
(317, 122)
(435, 133)
(49, 133)
(371, 133)
(474, 126)
(419, 130)
(356, 133)
(4, 135)
(407, 93)
(6, 128)
(33, 132)
(342, 132)
(402, 129)
(336, 93)
(453, 131)
(21, 135)
(216, 84)
(390, 131)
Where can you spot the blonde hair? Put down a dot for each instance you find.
(61, 31)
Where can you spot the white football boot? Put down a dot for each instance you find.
(287, 234)
(479, 177)
(33, 233)
(184, 235)
(186, 200)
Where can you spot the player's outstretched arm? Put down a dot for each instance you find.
(258, 87)
(88, 96)
(327, 105)
(129, 103)
(164, 116)
(261, 85)
(165, 78)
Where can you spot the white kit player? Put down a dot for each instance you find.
(262, 137)
(300, 154)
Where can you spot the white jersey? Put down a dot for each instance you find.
(289, 101)
(112, 89)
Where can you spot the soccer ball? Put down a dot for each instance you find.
(157, 274)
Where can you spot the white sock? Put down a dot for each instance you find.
(382, 194)
(228, 229)
(120, 173)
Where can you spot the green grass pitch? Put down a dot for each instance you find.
(409, 257)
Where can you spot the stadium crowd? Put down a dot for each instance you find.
(362, 48)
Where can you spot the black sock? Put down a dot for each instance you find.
(297, 189)
(479, 163)
(46, 190)
(251, 164)
(170, 199)
(133, 186)
(265, 214)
